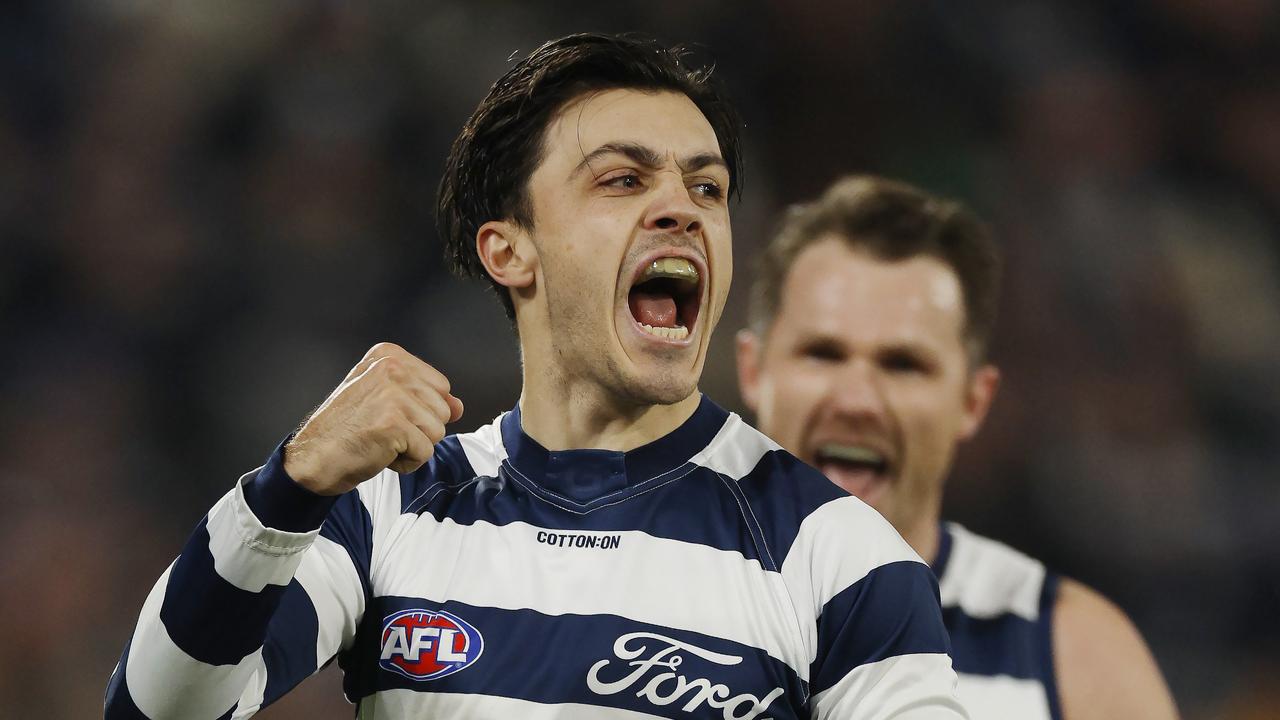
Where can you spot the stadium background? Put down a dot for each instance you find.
(209, 210)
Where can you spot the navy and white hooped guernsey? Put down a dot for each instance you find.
(998, 607)
(708, 574)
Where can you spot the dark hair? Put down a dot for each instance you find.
(488, 170)
(891, 221)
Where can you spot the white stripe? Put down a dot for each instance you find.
(986, 579)
(1000, 697)
(836, 546)
(410, 704)
(245, 552)
(484, 448)
(332, 583)
(735, 450)
(251, 698)
(904, 687)
(691, 586)
(381, 494)
(165, 682)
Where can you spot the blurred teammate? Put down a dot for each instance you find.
(865, 357)
(616, 546)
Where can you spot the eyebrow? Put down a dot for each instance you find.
(648, 157)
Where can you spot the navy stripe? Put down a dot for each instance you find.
(1003, 645)
(349, 525)
(892, 611)
(543, 658)
(207, 617)
(1007, 644)
(782, 492)
(119, 703)
(768, 504)
(448, 466)
(764, 551)
(680, 507)
(290, 650)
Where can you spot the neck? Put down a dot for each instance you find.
(564, 414)
(924, 538)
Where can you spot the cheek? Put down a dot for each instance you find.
(789, 393)
(932, 420)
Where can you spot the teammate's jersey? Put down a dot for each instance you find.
(998, 607)
(708, 574)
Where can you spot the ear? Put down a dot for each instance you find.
(748, 350)
(980, 392)
(507, 253)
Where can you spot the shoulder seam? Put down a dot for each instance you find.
(744, 509)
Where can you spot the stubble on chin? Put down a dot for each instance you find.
(642, 389)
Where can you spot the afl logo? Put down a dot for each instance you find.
(428, 644)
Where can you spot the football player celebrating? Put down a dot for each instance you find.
(870, 320)
(616, 546)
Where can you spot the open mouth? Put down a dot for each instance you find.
(859, 469)
(666, 296)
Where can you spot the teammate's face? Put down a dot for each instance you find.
(864, 375)
(631, 227)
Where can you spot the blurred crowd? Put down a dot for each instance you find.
(208, 211)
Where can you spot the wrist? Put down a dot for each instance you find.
(282, 503)
(298, 465)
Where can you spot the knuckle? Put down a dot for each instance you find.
(435, 432)
(383, 348)
(437, 379)
(391, 368)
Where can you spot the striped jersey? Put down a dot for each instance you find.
(998, 607)
(708, 574)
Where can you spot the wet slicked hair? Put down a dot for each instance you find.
(890, 221)
(489, 167)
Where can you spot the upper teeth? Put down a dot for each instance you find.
(851, 453)
(671, 267)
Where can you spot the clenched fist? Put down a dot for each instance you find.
(388, 412)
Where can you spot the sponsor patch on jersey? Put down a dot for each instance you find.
(428, 644)
(652, 662)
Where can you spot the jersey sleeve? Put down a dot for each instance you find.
(269, 587)
(879, 646)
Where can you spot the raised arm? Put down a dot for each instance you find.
(246, 611)
(273, 581)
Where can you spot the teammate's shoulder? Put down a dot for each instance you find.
(1104, 667)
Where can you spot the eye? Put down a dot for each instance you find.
(902, 361)
(822, 352)
(624, 181)
(709, 189)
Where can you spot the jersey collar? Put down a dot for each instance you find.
(587, 474)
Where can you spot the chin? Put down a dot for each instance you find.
(661, 388)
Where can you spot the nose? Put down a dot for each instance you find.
(858, 392)
(672, 210)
